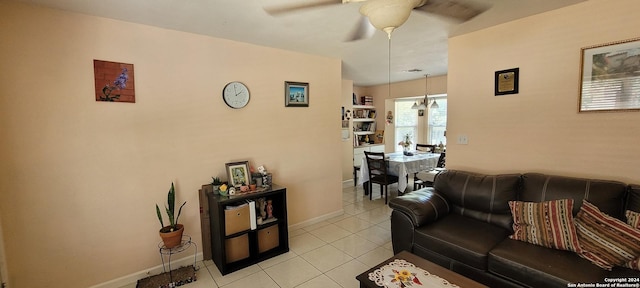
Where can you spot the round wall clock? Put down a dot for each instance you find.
(236, 95)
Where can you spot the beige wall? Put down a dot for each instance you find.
(80, 178)
(539, 129)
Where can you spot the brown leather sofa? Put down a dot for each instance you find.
(463, 223)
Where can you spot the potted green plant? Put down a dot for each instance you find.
(216, 182)
(171, 235)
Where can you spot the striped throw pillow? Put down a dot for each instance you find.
(633, 218)
(606, 241)
(549, 224)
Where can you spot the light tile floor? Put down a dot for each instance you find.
(327, 254)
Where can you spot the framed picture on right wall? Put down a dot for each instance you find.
(610, 76)
(506, 81)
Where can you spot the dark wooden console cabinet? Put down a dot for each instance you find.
(247, 246)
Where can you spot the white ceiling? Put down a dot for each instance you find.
(421, 43)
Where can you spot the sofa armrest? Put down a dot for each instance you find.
(422, 206)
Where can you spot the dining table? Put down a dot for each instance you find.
(402, 165)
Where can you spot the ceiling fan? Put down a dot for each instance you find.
(387, 15)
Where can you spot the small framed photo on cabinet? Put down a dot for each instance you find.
(238, 173)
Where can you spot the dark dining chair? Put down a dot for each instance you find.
(426, 178)
(426, 148)
(378, 173)
(417, 183)
(356, 170)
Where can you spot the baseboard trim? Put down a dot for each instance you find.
(316, 220)
(347, 181)
(134, 277)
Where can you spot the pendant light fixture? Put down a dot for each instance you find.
(425, 103)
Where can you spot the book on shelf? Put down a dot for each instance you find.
(365, 113)
(252, 214)
(366, 100)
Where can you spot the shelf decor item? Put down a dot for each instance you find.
(406, 144)
(296, 94)
(171, 235)
(216, 182)
(609, 79)
(223, 190)
(238, 173)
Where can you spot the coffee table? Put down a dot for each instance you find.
(432, 268)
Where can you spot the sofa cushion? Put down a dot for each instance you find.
(606, 241)
(608, 196)
(633, 198)
(461, 238)
(633, 219)
(549, 224)
(422, 206)
(537, 266)
(482, 197)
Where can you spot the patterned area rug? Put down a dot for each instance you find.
(180, 276)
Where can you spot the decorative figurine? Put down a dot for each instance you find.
(266, 177)
(269, 209)
(262, 207)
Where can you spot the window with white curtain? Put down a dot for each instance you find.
(438, 121)
(406, 122)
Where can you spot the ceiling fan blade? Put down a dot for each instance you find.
(460, 10)
(282, 9)
(363, 30)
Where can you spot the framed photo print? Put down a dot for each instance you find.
(238, 173)
(506, 81)
(609, 77)
(296, 94)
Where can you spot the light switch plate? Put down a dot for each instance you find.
(463, 139)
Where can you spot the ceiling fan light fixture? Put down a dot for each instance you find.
(387, 15)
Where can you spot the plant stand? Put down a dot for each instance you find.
(185, 244)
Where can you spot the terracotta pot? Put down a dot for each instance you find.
(172, 239)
